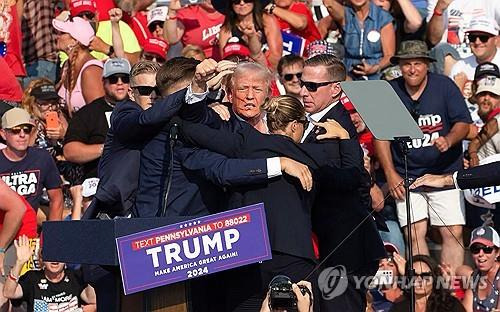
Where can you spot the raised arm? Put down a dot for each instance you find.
(336, 11)
(436, 25)
(174, 29)
(413, 19)
(274, 39)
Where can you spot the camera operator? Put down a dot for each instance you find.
(304, 300)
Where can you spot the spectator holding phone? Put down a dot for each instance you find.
(197, 24)
(369, 37)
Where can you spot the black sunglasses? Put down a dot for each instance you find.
(313, 86)
(424, 275)
(482, 38)
(114, 79)
(475, 249)
(146, 90)
(152, 26)
(239, 1)
(305, 122)
(87, 15)
(26, 129)
(289, 77)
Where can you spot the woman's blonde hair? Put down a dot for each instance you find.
(28, 102)
(282, 110)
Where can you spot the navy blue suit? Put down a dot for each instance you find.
(336, 217)
(480, 176)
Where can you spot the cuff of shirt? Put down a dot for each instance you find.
(273, 167)
(192, 97)
(455, 174)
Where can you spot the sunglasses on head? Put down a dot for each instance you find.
(476, 249)
(483, 37)
(239, 1)
(146, 90)
(289, 77)
(114, 79)
(313, 86)
(25, 128)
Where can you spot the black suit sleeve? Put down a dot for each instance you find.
(224, 171)
(480, 176)
(132, 123)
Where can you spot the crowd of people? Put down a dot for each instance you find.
(91, 89)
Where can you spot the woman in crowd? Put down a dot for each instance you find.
(369, 37)
(81, 80)
(197, 24)
(295, 17)
(430, 296)
(246, 23)
(484, 247)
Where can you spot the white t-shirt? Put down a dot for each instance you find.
(458, 16)
(468, 65)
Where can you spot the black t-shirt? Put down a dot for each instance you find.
(404, 306)
(30, 175)
(89, 126)
(43, 295)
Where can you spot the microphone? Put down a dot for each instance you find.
(174, 131)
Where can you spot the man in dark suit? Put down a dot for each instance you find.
(337, 215)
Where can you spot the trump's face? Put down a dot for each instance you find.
(248, 93)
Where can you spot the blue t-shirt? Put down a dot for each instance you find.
(364, 43)
(440, 106)
(30, 175)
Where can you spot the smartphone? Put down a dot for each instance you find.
(52, 120)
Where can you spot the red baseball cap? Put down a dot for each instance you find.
(156, 46)
(77, 7)
(235, 48)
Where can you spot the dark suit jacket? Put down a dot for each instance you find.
(118, 170)
(288, 207)
(480, 176)
(336, 213)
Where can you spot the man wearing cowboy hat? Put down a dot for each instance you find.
(438, 107)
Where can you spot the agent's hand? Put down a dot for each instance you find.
(221, 110)
(333, 130)
(205, 71)
(224, 68)
(304, 302)
(433, 181)
(298, 170)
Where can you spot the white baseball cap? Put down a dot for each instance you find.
(483, 24)
(490, 84)
(158, 14)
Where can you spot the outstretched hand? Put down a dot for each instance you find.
(433, 180)
(333, 130)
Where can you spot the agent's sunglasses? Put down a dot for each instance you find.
(146, 90)
(474, 249)
(114, 79)
(289, 77)
(26, 129)
(482, 38)
(313, 86)
(305, 122)
(239, 1)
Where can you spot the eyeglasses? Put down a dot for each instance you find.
(482, 38)
(146, 90)
(114, 79)
(153, 57)
(239, 1)
(289, 77)
(45, 103)
(313, 86)
(475, 249)
(16, 130)
(424, 275)
(86, 15)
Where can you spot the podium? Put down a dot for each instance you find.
(93, 242)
